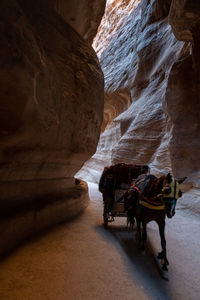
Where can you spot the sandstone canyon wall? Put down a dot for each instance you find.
(51, 114)
(83, 15)
(52, 101)
(149, 53)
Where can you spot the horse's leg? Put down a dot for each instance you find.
(128, 222)
(130, 219)
(138, 233)
(144, 235)
(138, 213)
(163, 254)
(141, 234)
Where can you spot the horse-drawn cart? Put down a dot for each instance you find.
(114, 182)
(148, 199)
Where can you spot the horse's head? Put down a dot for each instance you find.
(171, 192)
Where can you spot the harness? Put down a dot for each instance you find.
(173, 196)
(152, 206)
(149, 203)
(174, 193)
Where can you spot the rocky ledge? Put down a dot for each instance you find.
(40, 214)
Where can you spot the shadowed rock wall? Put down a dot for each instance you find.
(50, 109)
(83, 15)
(183, 92)
(141, 56)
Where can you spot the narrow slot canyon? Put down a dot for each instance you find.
(85, 85)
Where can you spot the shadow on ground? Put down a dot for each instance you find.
(143, 264)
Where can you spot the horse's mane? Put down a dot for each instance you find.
(150, 185)
(158, 185)
(144, 183)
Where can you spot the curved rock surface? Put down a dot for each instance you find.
(184, 18)
(142, 56)
(83, 15)
(51, 105)
(52, 94)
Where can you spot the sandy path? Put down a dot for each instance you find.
(82, 261)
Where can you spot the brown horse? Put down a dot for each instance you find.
(151, 199)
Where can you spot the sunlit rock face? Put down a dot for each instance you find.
(51, 104)
(142, 57)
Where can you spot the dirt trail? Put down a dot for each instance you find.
(81, 260)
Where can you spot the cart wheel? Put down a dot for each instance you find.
(105, 220)
(105, 216)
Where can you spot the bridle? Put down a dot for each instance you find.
(172, 200)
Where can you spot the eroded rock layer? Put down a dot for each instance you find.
(142, 56)
(83, 15)
(51, 105)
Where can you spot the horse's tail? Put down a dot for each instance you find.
(130, 219)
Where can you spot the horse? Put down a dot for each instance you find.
(150, 199)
